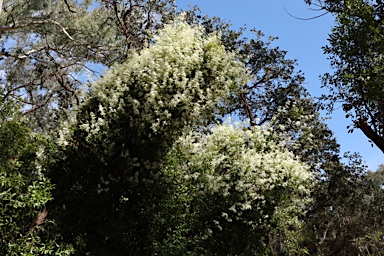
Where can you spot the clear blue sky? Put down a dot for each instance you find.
(303, 41)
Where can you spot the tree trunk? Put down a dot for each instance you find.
(374, 137)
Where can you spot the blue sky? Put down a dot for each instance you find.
(303, 41)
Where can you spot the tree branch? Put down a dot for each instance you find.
(367, 130)
(265, 78)
(40, 219)
(39, 106)
(298, 18)
(247, 108)
(122, 24)
(2, 29)
(68, 6)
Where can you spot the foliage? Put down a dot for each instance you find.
(238, 184)
(141, 161)
(58, 45)
(347, 216)
(356, 53)
(184, 77)
(24, 191)
(132, 116)
(276, 96)
(275, 82)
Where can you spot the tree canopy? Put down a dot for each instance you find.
(193, 140)
(356, 53)
(57, 45)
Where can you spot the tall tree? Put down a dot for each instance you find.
(356, 53)
(351, 223)
(276, 96)
(49, 46)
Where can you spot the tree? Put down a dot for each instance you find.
(275, 82)
(63, 46)
(48, 47)
(338, 216)
(356, 53)
(25, 227)
(276, 97)
(347, 216)
(371, 242)
(113, 152)
(143, 162)
(275, 94)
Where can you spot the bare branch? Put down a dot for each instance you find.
(69, 7)
(39, 106)
(40, 219)
(298, 18)
(247, 108)
(2, 29)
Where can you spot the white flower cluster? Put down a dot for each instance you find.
(247, 169)
(179, 80)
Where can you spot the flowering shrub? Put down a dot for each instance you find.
(240, 184)
(184, 78)
(162, 188)
(113, 150)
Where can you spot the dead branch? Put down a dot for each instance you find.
(40, 219)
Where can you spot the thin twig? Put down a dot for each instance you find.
(312, 18)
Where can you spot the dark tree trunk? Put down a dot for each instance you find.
(371, 134)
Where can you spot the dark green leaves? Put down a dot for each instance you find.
(356, 48)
